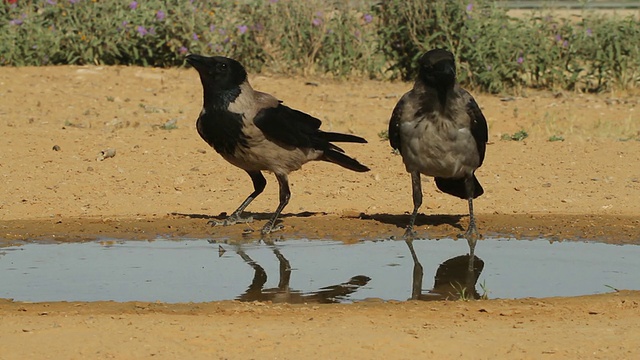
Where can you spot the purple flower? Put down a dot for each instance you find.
(160, 15)
(520, 60)
(558, 38)
(589, 32)
(133, 5)
(195, 36)
(316, 22)
(242, 29)
(470, 7)
(16, 22)
(74, 1)
(212, 27)
(368, 18)
(565, 43)
(51, 2)
(142, 31)
(183, 50)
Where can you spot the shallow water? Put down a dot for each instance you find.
(195, 270)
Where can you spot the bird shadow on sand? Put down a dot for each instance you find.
(256, 215)
(401, 220)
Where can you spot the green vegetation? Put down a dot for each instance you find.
(170, 124)
(465, 295)
(485, 291)
(517, 136)
(384, 135)
(496, 52)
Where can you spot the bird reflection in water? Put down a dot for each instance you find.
(284, 294)
(455, 278)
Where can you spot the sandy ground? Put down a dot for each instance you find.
(168, 182)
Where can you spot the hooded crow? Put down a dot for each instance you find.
(441, 132)
(255, 132)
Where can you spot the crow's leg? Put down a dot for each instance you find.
(418, 273)
(416, 187)
(285, 195)
(470, 277)
(472, 235)
(254, 291)
(259, 183)
(285, 271)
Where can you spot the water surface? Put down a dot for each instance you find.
(196, 270)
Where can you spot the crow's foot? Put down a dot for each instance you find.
(472, 235)
(270, 228)
(231, 220)
(409, 234)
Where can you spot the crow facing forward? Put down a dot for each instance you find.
(255, 132)
(441, 132)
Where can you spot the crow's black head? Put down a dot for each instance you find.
(218, 74)
(437, 68)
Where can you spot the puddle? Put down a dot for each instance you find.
(310, 271)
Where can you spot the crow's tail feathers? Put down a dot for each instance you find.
(456, 187)
(343, 160)
(338, 137)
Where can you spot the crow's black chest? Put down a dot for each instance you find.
(222, 130)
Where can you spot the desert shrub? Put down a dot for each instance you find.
(495, 52)
(409, 28)
(315, 36)
(149, 33)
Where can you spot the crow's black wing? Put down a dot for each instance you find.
(394, 125)
(288, 126)
(478, 127)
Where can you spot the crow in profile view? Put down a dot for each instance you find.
(255, 132)
(440, 131)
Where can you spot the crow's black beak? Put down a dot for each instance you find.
(450, 70)
(197, 61)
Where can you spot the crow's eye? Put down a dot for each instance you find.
(221, 67)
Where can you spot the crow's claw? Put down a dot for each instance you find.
(269, 228)
(231, 220)
(472, 235)
(409, 234)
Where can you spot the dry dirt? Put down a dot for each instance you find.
(168, 182)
